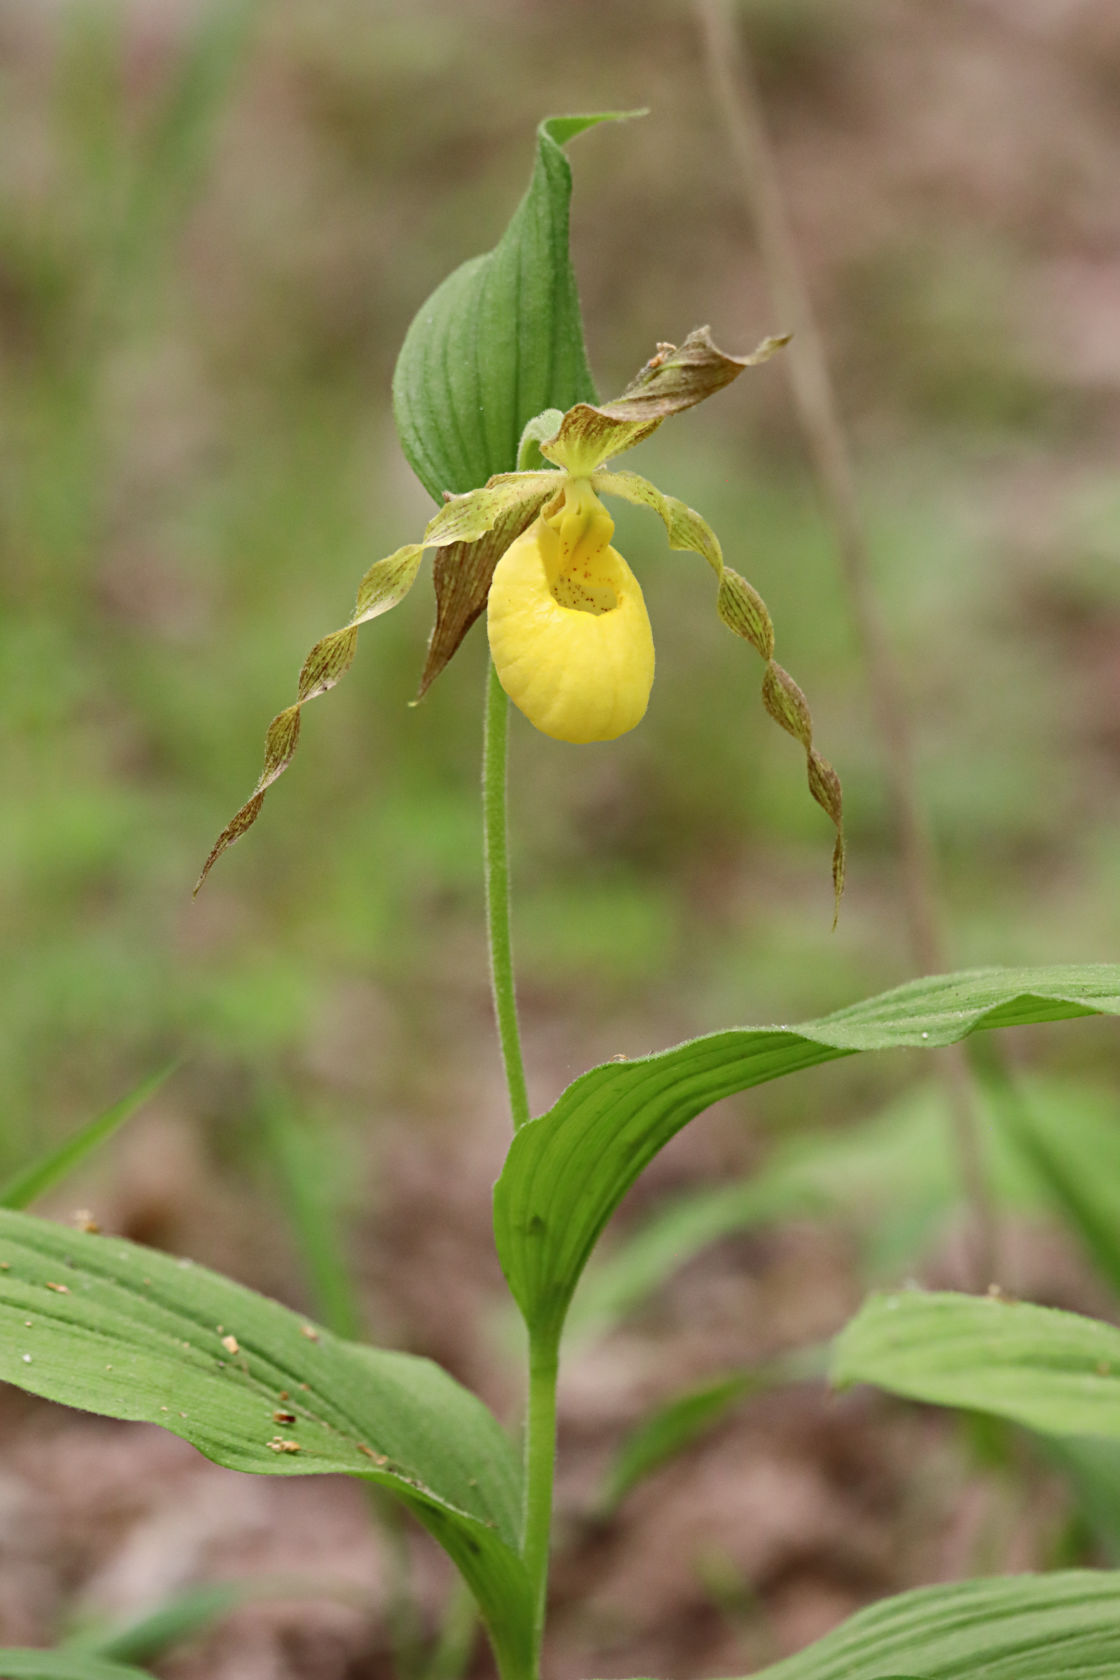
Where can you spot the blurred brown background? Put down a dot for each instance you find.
(215, 225)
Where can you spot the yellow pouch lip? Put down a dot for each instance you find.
(578, 675)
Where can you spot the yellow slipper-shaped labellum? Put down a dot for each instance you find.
(569, 633)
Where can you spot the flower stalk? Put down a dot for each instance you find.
(540, 1475)
(495, 824)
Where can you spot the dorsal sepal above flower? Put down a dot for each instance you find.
(672, 380)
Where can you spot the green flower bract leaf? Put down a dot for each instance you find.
(500, 340)
(99, 1323)
(567, 1171)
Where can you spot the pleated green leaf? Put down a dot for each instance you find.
(890, 1179)
(1064, 1626)
(1054, 1371)
(501, 338)
(102, 1324)
(895, 1160)
(567, 1171)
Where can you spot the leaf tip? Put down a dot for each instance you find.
(560, 129)
(839, 871)
(234, 829)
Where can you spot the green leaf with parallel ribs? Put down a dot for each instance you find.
(102, 1324)
(890, 1179)
(1064, 1626)
(1053, 1371)
(500, 340)
(567, 1171)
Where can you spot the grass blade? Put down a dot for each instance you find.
(39, 1176)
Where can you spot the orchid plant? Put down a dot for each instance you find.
(569, 634)
(498, 415)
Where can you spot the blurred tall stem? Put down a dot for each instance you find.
(736, 91)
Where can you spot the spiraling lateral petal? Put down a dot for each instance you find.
(743, 610)
(463, 523)
(468, 518)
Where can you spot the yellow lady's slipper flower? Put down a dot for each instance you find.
(568, 629)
